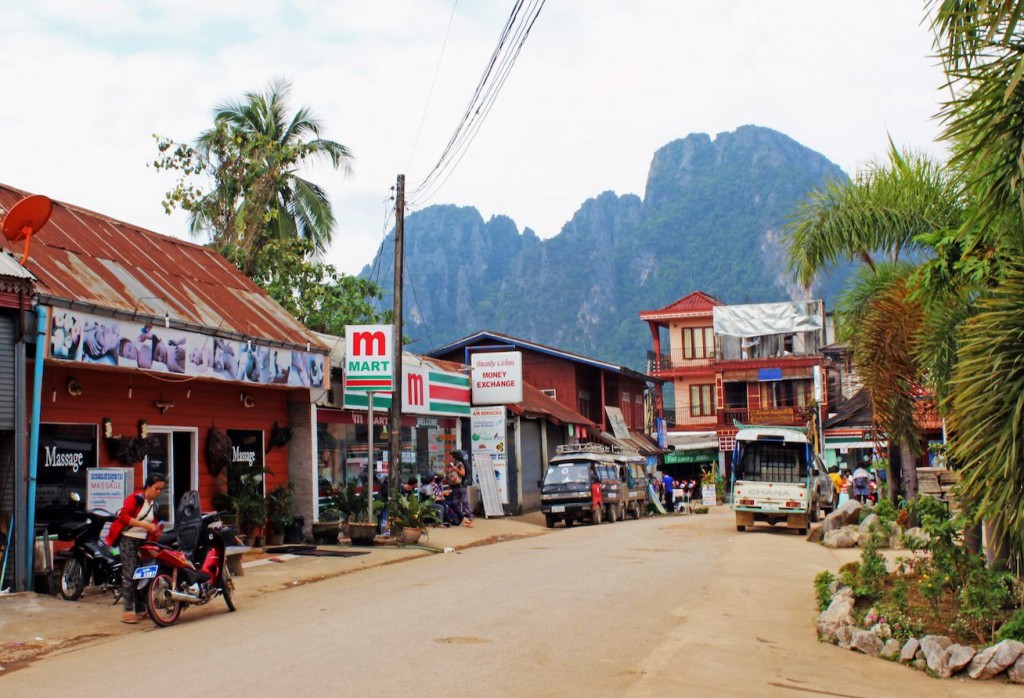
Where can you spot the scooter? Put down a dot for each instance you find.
(192, 573)
(90, 561)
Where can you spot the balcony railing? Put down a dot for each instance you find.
(660, 364)
(777, 416)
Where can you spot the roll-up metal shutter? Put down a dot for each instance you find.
(531, 463)
(6, 372)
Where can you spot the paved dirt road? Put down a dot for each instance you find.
(667, 606)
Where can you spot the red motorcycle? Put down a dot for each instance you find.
(191, 573)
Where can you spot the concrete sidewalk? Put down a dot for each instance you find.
(34, 625)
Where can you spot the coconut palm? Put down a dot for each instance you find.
(981, 45)
(256, 148)
(876, 218)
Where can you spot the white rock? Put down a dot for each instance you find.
(909, 650)
(844, 636)
(958, 656)
(934, 649)
(846, 537)
(1016, 672)
(866, 642)
(995, 659)
(891, 648)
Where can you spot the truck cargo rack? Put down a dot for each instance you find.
(588, 447)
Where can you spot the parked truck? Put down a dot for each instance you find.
(776, 478)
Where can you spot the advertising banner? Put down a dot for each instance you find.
(369, 363)
(93, 339)
(487, 432)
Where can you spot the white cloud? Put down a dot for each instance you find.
(599, 86)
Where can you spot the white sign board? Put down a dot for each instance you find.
(497, 378)
(107, 488)
(369, 366)
(487, 426)
(484, 475)
(617, 422)
(708, 496)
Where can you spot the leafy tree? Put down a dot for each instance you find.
(885, 212)
(240, 186)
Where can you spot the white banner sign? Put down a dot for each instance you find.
(368, 358)
(487, 432)
(497, 378)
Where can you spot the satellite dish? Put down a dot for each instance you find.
(26, 218)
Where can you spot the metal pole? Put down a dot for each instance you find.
(395, 470)
(371, 462)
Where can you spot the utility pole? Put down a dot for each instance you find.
(395, 423)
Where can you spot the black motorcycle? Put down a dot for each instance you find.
(90, 561)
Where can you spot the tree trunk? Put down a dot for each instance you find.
(908, 470)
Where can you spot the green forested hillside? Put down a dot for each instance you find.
(711, 219)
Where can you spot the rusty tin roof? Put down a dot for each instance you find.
(82, 259)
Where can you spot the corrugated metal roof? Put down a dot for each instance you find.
(515, 343)
(537, 403)
(88, 258)
(9, 267)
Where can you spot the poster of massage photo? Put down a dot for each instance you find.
(93, 339)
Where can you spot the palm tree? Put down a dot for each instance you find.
(254, 149)
(876, 218)
(982, 49)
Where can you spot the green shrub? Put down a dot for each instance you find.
(823, 588)
(1013, 629)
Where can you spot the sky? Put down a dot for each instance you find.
(598, 87)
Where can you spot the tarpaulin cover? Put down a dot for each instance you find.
(767, 318)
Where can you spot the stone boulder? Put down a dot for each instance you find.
(814, 534)
(957, 657)
(846, 537)
(869, 521)
(1016, 672)
(934, 649)
(844, 636)
(865, 642)
(838, 614)
(847, 514)
(909, 651)
(994, 660)
(891, 648)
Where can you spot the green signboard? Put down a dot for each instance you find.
(703, 455)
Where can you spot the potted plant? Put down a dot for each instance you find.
(411, 515)
(279, 511)
(362, 527)
(325, 529)
(346, 500)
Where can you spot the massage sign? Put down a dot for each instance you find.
(66, 451)
(246, 449)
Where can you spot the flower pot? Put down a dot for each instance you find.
(326, 532)
(362, 533)
(410, 535)
(275, 539)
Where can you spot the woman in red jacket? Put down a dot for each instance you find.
(138, 518)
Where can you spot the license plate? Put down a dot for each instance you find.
(145, 572)
(771, 507)
(558, 509)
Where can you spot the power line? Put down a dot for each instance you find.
(510, 42)
(433, 82)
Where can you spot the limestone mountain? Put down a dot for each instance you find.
(711, 218)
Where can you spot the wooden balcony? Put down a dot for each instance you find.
(673, 364)
(773, 416)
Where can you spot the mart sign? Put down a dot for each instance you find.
(369, 366)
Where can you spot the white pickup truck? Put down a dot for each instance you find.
(776, 479)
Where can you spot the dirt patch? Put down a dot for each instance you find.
(14, 655)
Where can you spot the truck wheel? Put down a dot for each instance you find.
(802, 531)
(549, 520)
(613, 514)
(814, 514)
(569, 523)
(740, 527)
(595, 516)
